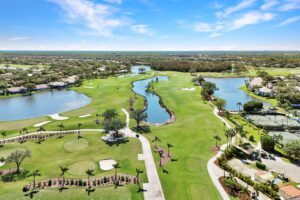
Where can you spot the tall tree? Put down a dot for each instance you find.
(113, 125)
(63, 170)
(79, 126)
(89, 173)
(60, 126)
(161, 155)
(18, 157)
(116, 167)
(169, 146)
(139, 115)
(3, 133)
(239, 104)
(109, 114)
(34, 174)
(155, 140)
(217, 138)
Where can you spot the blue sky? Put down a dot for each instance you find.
(150, 25)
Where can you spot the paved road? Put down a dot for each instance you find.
(153, 188)
(216, 172)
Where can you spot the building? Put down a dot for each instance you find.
(16, 90)
(289, 192)
(265, 92)
(255, 82)
(70, 80)
(42, 87)
(263, 177)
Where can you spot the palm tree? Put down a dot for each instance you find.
(161, 155)
(24, 131)
(243, 135)
(272, 185)
(156, 139)
(217, 138)
(79, 126)
(40, 129)
(3, 133)
(63, 171)
(169, 146)
(116, 167)
(138, 172)
(60, 126)
(239, 129)
(97, 118)
(89, 173)
(34, 174)
(239, 104)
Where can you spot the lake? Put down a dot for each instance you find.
(228, 89)
(41, 104)
(156, 113)
(135, 69)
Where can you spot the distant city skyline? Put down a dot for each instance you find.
(150, 25)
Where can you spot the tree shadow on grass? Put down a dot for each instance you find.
(142, 129)
(117, 184)
(31, 194)
(61, 189)
(40, 141)
(90, 190)
(117, 143)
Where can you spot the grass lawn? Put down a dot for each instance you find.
(52, 153)
(192, 135)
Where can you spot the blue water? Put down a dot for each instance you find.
(156, 113)
(41, 104)
(228, 89)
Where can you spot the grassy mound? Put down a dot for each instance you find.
(80, 167)
(75, 145)
(6, 152)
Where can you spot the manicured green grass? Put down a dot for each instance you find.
(192, 135)
(272, 101)
(76, 145)
(50, 154)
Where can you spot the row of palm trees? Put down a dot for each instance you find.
(161, 153)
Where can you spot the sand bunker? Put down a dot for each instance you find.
(188, 89)
(58, 117)
(41, 124)
(2, 164)
(84, 116)
(106, 165)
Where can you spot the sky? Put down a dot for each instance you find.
(155, 25)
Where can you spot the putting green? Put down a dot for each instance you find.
(75, 145)
(80, 167)
(6, 152)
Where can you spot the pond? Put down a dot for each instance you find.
(229, 89)
(156, 113)
(41, 104)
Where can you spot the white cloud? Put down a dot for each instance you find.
(96, 17)
(141, 29)
(249, 19)
(114, 1)
(240, 6)
(269, 4)
(203, 27)
(289, 21)
(18, 38)
(290, 5)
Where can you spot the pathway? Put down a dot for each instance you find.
(216, 172)
(153, 188)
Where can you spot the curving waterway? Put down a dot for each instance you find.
(156, 113)
(41, 104)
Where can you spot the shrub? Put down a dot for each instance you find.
(260, 165)
(267, 142)
(252, 106)
(251, 138)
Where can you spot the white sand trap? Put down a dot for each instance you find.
(41, 124)
(84, 116)
(106, 165)
(58, 117)
(2, 164)
(188, 89)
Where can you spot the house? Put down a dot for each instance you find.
(263, 177)
(58, 85)
(289, 192)
(16, 90)
(255, 82)
(265, 92)
(42, 87)
(70, 80)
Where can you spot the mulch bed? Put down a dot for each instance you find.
(240, 195)
(214, 149)
(165, 158)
